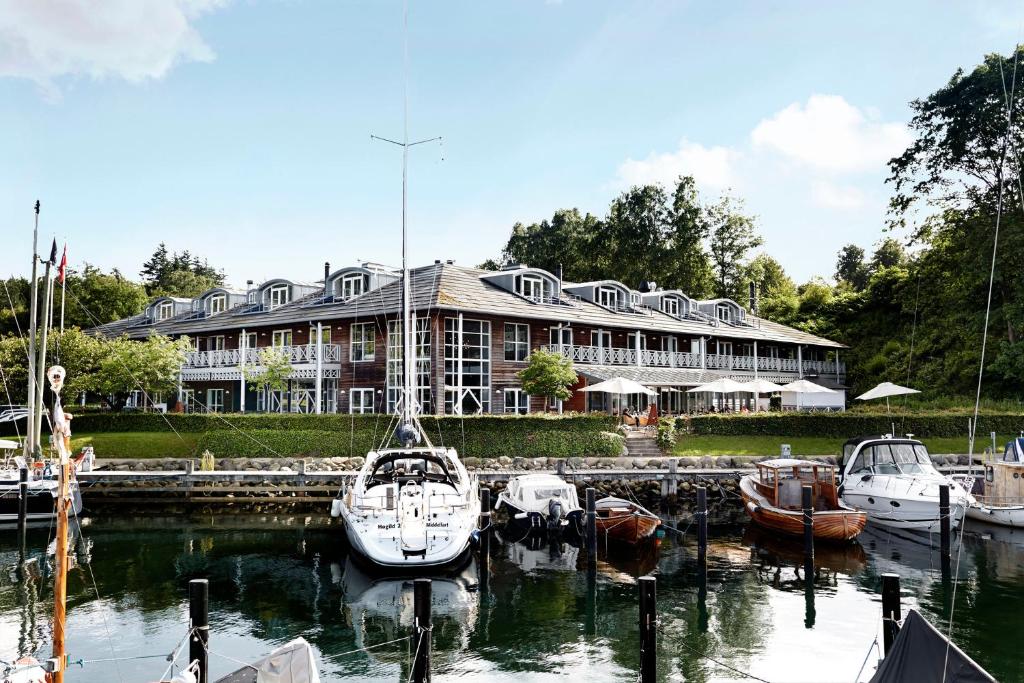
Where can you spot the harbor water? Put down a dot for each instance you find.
(539, 617)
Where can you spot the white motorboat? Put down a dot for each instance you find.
(1003, 499)
(542, 501)
(894, 481)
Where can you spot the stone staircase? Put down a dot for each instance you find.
(642, 445)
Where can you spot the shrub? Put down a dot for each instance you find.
(848, 425)
(666, 434)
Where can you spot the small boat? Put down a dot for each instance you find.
(43, 489)
(773, 498)
(894, 481)
(542, 501)
(625, 522)
(1003, 499)
(293, 662)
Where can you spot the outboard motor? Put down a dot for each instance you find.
(555, 515)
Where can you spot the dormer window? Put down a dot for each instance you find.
(724, 313)
(608, 297)
(218, 303)
(165, 310)
(532, 287)
(634, 300)
(352, 286)
(670, 306)
(279, 296)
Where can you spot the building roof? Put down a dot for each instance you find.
(450, 287)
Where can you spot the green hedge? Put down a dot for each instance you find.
(847, 425)
(478, 443)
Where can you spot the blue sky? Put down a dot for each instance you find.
(240, 129)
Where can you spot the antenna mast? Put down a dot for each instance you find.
(407, 433)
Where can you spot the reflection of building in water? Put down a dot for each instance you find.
(381, 610)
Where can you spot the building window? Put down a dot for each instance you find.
(670, 344)
(363, 342)
(325, 335)
(724, 313)
(188, 400)
(532, 287)
(247, 340)
(631, 341)
(467, 366)
(602, 339)
(218, 303)
(608, 297)
(165, 310)
(352, 285)
(560, 335)
(279, 296)
(517, 401)
(724, 348)
(215, 400)
(281, 338)
(216, 343)
(517, 341)
(395, 353)
(360, 401)
(670, 305)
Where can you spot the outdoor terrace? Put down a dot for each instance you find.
(227, 363)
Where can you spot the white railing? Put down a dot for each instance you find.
(597, 355)
(298, 355)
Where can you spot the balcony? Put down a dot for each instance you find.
(227, 364)
(596, 355)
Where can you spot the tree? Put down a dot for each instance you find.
(185, 283)
(178, 274)
(732, 236)
(890, 253)
(689, 267)
(272, 373)
(151, 366)
(95, 298)
(776, 291)
(548, 374)
(558, 245)
(850, 267)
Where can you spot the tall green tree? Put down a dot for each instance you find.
(128, 365)
(178, 274)
(95, 298)
(889, 253)
(733, 236)
(851, 268)
(548, 374)
(688, 266)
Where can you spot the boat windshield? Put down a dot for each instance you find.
(893, 458)
(410, 467)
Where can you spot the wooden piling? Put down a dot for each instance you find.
(702, 525)
(944, 523)
(485, 535)
(421, 638)
(807, 503)
(199, 620)
(22, 506)
(648, 629)
(592, 527)
(890, 609)
(560, 468)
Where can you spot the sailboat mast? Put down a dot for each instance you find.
(409, 361)
(60, 579)
(30, 436)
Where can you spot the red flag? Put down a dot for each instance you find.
(63, 270)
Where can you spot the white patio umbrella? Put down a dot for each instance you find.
(802, 386)
(760, 386)
(620, 386)
(721, 386)
(885, 390)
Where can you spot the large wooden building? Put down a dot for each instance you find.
(475, 330)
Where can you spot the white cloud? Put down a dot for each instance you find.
(843, 197)
(711, 166)
(831, 134)
(137, 40)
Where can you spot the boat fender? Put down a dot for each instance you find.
(497, 504)
(752, 507)
(522, 515)
(336, 507)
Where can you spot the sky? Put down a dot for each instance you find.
(240, 129)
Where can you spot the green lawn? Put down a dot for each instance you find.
(769, 445)
(137, 444)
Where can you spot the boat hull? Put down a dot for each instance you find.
(1004, 515)
(630, 528)
(42, 504)
(530, 523)
(916, 515)
(829, 525)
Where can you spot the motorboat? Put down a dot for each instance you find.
(542, 501)
(411, 507)
(43, 490)
(1003, 499)
(623, 521)
(893, 480)
(773, 497)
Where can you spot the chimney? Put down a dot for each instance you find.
(327, 271)
(753, 297)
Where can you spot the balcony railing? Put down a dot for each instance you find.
(228, 358)
(597, 355)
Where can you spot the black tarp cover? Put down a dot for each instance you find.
(918, 655)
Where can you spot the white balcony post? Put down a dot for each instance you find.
(755, 359)
(703, 353)
(636, 347)
(837, 366)
(243, 343)
(318, 385)
(800, 360)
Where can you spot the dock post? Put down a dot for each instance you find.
(485, 536)
(421, 631)
(199, 618)
(702, 525)
(944, 524)
(807, 497)
(22, 506)
(591, 527)
(890, 610)
(560, 468)
(648, 629)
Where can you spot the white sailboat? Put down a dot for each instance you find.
(894, 481)
(411, 506)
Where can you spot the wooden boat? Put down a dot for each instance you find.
(1003, 499)
(773, 499)
(625, 522)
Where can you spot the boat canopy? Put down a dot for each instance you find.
(921, 653)
(531, 490)
(1014, 451)
(789, 463)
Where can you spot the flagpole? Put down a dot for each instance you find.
(63, 284)
(31, 437)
